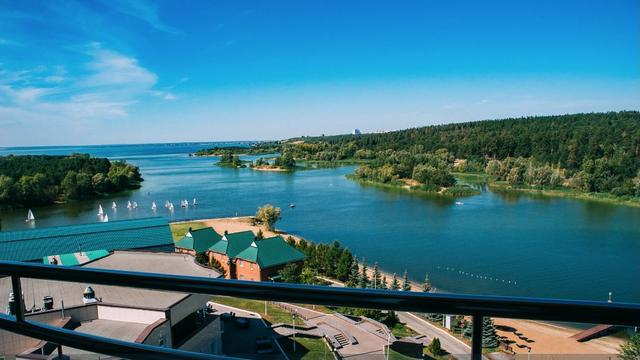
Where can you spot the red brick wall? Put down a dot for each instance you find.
(246, 270)
(223, 260)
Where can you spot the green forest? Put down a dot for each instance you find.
(44, 179)
(590, 153)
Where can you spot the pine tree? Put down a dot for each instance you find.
(435, 317)
(426, 286)
(406, 284)
(467, 330)
(364, 277)
(384, 284)
(354, 277)
(435, 347)
(489, 336)
(377, 279)
(395, 285)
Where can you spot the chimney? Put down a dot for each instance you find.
(89, 296)
(47, 303)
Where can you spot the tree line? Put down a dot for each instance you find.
(44, 179)
(594, 152)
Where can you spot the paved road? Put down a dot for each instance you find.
(449, 342)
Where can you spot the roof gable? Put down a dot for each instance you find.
(237, 242)
(199, 240)
(271, 252)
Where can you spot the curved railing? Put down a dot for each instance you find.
(477, 306)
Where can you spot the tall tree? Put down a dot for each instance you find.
(364, 276)
(426, 285)
(406, 284)
(376, 279)
(395, 284)
(268, 215)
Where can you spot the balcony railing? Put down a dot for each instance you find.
(624, 314)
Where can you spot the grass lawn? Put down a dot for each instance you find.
(178, 230)
(394, 355)
(274, 315)
(400, 330)
(307, 348)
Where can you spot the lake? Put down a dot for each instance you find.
(493, 243)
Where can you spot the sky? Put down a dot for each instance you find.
(123, 71)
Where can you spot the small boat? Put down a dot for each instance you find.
(129, 205)
(153, 206)
(105, 218)
(113, 205)
(459, 203)
(195, 202)
(166, 204)
(30, 217)
(184, 203)
(100, 211)
(170, 206)
(135, 205)
(292, 205)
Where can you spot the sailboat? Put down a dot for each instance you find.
(153, 206)
(166, 204)
(135, 205)
(100, 211)
(105, 218)
(30, 217)
(129, 206)
(113, 205)
(170, 206)
(195, 202)
(184, 203)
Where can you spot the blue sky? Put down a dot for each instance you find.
(117, 71)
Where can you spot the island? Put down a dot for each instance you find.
(46, 179)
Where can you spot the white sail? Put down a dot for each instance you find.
(113, 205)
(153, 206)
(30, 216)
(129, 206)
(135, 204)
(105, 218)
(170, 206)
(100, 211)
(166, 204)
(195, 202)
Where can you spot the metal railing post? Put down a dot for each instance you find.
(476, 337)
(17, 297)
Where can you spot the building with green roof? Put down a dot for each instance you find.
(197, 241)
(34, 245)
(243, 256)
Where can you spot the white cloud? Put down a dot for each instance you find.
(143, 11)
(103, 88)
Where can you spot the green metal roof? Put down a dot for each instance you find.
(270, 252)
(238, 242)
(115, 235)
(199, 240)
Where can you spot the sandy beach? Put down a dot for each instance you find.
(269, 168)
(546, 338)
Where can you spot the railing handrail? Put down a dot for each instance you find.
(476, 305)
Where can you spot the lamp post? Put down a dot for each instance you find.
(293, 322)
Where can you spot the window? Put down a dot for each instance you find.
(251, 266)
(240, 262)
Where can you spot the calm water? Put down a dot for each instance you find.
(492, 244)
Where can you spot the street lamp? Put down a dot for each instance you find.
(293, 322)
